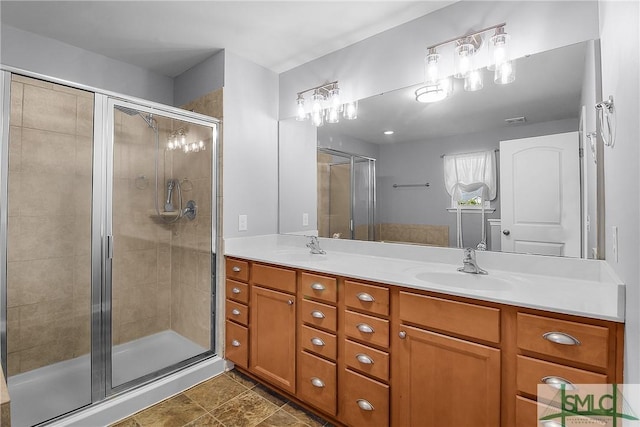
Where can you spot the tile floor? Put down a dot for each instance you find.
(228, 400)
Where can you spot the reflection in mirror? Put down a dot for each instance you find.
(546, 194)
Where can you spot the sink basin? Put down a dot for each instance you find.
(457, 279)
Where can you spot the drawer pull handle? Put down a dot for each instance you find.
(561, 338)
(235, 312)
(402, 334)
(365, 405)
(365, 297)
(235, 290)
(318, 287)
(317, 341)
(236, 269)
(364, 359)
(364, 328)
(317, 382)
(235, 343)
(290, 302)
(558, 382)
(317, 314)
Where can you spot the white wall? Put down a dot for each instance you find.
(250, 147)
(199, 80)
(38, 54)
(620, 35)
(394, 58)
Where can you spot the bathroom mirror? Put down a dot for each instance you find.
(351, 180)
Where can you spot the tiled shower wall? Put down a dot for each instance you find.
(50, 166)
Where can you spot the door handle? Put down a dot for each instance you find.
(506, 232)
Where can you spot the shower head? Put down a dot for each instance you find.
(126, 110)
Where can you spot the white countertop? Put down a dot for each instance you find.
(562, 285)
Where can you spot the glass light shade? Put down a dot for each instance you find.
(473, 81)
(333, 114)
(505, 73)
(431, 72)
(301, 114)
(434, 92)
(463, 59)
(317, 118)
(350, 111)
(498, 48)
(334, 98)
(317, 101)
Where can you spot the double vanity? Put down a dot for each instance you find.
(371, 334)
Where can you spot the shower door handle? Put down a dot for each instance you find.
(110, 246)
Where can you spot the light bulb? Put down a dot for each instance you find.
(201, 144)
(334, 97)
(463, 59)
(301, 115)
(333, 114)
(183, 139)
(431, 66)
(317, 118)
(498, 48)
(350, 110)
(318, 99)
(473, 81)
(505, 73)
(170, 145)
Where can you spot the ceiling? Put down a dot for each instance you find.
(169, 37)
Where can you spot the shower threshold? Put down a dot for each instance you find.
(52, 390)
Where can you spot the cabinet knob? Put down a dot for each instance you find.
(506, 232)
(317, 314)
(235, 312)
(561, 338)
(235, 290)
(318, 287)
(290, 302)
(364, 359)
(365, 405)
(236, 269)
(235, 343)
(558, 382)
(365, 297)
(364, 328)
(317, 341)
(402, 334)
(317, 382)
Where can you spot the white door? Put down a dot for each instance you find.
(540, 195)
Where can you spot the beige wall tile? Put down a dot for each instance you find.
(84, 156)
(48, 110)
(30, 282)
(17, 90)
(82, 278)
(15, 149)
(43, 355)
(30, 81)
(45, 194)
(48, 152)
(140, 302)
(13, 363)
(138, 329)
(42, 237)
(73, 91)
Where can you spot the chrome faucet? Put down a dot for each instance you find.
(469, 264)
(314, 245)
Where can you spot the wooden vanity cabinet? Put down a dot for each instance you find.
(237, 312)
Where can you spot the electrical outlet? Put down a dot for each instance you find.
(242, 223)
(305, 219)
(614, 242)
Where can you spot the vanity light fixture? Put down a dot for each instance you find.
(177, 140)
(326, 105)
(466, 49)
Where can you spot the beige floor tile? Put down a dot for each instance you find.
(282, 419)
(241, 378)
(246, 410)
(304, 416)
(215, 392)
(205, 421)
(270, 395)
(174, 412)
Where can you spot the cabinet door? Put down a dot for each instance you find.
(273, 347)
(445, 382)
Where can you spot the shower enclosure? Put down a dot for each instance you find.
(346, 195)
(108, 243)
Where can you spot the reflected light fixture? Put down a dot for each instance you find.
(465, 53)
(326, 105)
(177, 140)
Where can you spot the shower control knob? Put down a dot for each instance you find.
(506, 232)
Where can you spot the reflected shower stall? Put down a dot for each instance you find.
(346, 195)
(109, 248)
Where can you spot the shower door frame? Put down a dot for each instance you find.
(100, 222)
(350, 159)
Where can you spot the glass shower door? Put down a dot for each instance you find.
(160, 242)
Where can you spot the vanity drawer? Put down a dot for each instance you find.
(457, 317)
(319, 315)
(237, 344)
(361, 296)
(319, 342)
(530, 373)
(593, 347)
(364, 402)
(274, 277)
(371, 330)
(317, 380)
(237, 270)
(237, 312)
(367, 360)
(320, 287)
(527, 413)
(237, 291)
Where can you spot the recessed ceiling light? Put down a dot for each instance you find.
(388, 132)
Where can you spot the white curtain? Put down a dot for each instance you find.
(471, 171)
